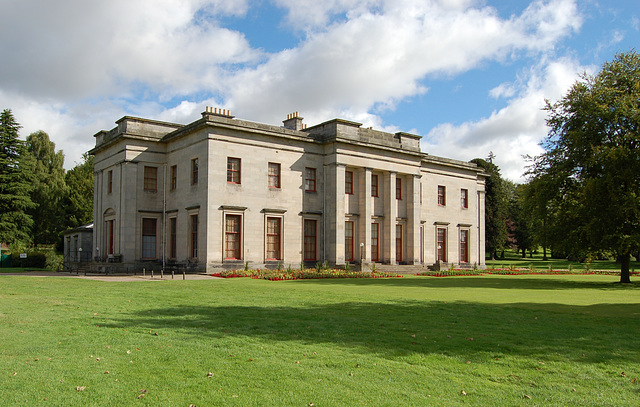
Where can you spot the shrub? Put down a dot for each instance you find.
(54, 261)
(33, 260)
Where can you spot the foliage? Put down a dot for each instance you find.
(47, 170)
(303, 274)
(592, 157)
(78, 201)
(53, 261)
(15, 184)
(495, 208)
(35, 259)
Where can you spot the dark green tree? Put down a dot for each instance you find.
(520, 219)
(15, 184)
(495, 208)
(78, 201)
(48, 188)
(592, 159)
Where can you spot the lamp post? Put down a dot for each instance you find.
(361, 256)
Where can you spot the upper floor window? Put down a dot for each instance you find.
(348, 182)
(464, 198)
(442, 195)
(310, 179)
(398, 188)
(109, 181)
(233, 170)
(374, 185)
(194, 171)
(174, 177)
(151, 179)
(274, 175)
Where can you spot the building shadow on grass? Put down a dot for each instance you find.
(470, 331)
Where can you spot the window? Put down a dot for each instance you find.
(310, 239)
(348, 182)
(174, 177)
(194, 237)
(149, 238)
(310, 179)
(232, 237)
(398, 188)
(194, 171)
(398, 243)
(172, 238)
(374, 185)
(110, 236)
(109, 182)
(233, 170)
(151, 179)
(375, 229)
(464, 198)
(464, 246)
(274, 175)
(274, 234)
(348, 241)
(442, 245)
(442, 197)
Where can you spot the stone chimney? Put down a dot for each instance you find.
(294, 122)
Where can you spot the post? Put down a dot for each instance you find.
(152, 273)
(144, 272)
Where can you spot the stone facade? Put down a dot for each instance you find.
(222, 192)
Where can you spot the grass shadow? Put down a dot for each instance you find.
(471, 331)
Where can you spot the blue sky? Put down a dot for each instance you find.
(469, 76)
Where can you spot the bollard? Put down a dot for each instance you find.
(161, 273)
(172, 274)
(144, 272)
(152, 273)
(184, 277)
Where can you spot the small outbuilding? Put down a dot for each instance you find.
(78, 247)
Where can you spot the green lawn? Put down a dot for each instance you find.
(412, 341)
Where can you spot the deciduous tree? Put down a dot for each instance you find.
(592, 159)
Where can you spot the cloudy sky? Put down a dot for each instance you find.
(469, 76)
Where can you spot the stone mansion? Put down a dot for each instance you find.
(222, 192)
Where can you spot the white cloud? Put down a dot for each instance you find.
(513, 131)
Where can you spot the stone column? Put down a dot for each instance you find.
(390, 218)
(366, 211)
(413, 220)
(481, 229)
(335, 212)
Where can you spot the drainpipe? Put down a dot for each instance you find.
(324, 215)
(164, 215)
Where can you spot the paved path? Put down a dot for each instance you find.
(116, 277)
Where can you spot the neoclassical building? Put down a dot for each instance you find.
(222, 192)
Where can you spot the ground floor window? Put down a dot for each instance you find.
(274, 238)
(398, 243)
(310, 239)
(348, 240)
(442, 244)
(149, 238)
(194, 236)
(110, 231)
(464, 246)
(375, 243)
(172, 238)
(232, 237)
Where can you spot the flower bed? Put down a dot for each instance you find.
(513, 272)
(289, 274)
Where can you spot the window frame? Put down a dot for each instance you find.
(375, 185)
(310, 179)
(273, 238)
(310, 239)
(464, 198)
(399, 188)
(273, 179)
(441, 244)
(194, 171)
(442, 195)
(237, 252)
(375, 237)
(149, 240)
(193, 236)
(150, 178)
(348, 182)
(349, 238)
(173, 235)
(234, 175)
(399, 242)
(174, 178)
(464, 245)
(110, 182)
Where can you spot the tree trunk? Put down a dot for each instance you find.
(625, 261)
(544, 253)
(524, 253)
